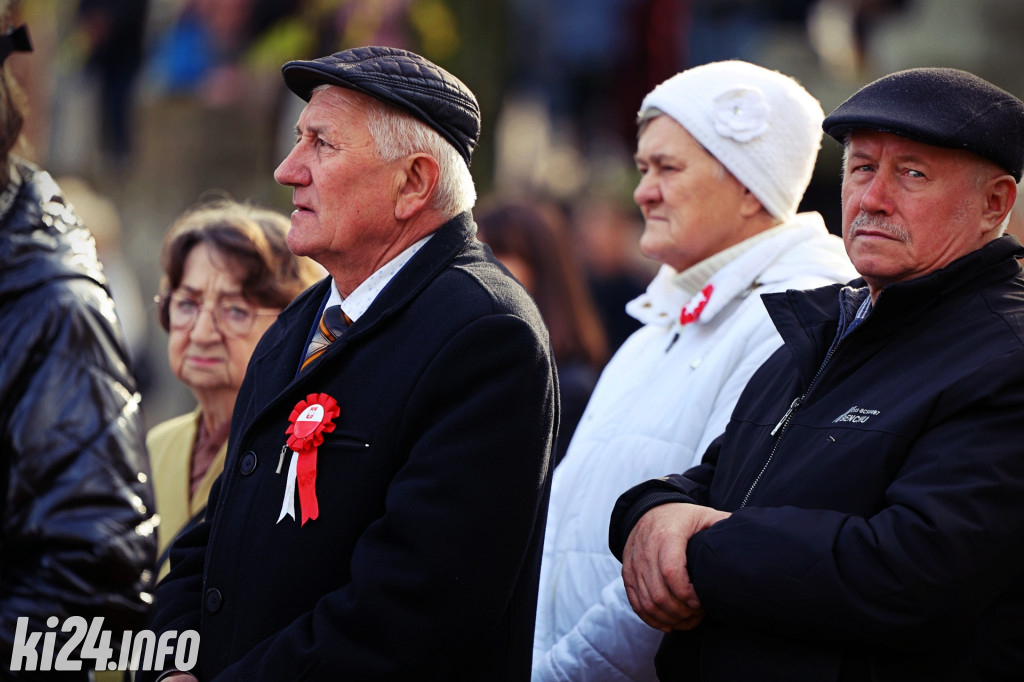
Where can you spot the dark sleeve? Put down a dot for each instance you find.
(435, 575)
(178, 599)
(944, 547)
(576, 382)
(691, 487)
(78, 518)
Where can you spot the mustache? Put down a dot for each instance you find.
(879, 223)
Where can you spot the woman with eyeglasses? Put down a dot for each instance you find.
(227, 274)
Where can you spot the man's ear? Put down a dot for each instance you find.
(1000, 194)
(418, 182)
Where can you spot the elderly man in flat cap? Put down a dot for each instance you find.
(381, 511)
(861, 518)
(725, 151)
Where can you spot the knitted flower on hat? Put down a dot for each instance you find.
(741, 113)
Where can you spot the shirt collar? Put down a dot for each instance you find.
(854, 307)
(357, 303)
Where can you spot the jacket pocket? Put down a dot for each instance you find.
(345, 441)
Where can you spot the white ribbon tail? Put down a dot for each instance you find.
(288, 503)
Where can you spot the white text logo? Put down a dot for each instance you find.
(89, 642)
(857, 415)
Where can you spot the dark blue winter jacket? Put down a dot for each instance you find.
(879, 533)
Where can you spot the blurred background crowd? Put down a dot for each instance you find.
(142, 108)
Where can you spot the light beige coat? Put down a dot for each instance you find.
(171, 445)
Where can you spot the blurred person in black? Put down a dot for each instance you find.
(607, 236)
(77, 523)
(536, 251)
(113, 36)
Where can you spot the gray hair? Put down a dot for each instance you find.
(646, 116)
(397, 134)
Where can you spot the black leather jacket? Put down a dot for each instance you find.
(76, 534)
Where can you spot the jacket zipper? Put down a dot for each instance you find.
(780, 428)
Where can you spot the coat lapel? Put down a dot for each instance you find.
(272, 370)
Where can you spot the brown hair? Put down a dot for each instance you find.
(12, 104)
(251, 239)
(560, 288)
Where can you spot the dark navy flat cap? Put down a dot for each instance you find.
(402, 79)
(941, 107)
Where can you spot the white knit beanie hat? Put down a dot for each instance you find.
(760, 124)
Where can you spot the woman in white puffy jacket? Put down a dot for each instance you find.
(725, 152)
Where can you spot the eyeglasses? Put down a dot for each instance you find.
(233, 318)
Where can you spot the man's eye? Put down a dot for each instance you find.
(915, 173)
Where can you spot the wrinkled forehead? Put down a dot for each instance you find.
(332, 107)
(875, 146)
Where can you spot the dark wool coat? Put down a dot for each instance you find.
(877, 534)
(432, 490)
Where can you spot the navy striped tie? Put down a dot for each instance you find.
(332, 324)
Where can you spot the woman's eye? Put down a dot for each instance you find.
(186, 305)
(236, 313)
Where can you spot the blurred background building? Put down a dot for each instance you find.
(147, 106)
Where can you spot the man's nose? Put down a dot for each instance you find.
(877, 196)
(290, 172)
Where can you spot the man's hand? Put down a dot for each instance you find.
(654, 565)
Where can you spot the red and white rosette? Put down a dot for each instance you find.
(692, 310)
(309, 420)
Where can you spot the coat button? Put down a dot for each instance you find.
(213, 600)
(248, 463)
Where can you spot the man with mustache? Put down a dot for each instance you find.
(861, 516)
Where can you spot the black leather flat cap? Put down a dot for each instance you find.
(402, 79)
(941, 107)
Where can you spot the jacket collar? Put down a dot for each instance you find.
(802, 316)
(448, 242)
(663, 300)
